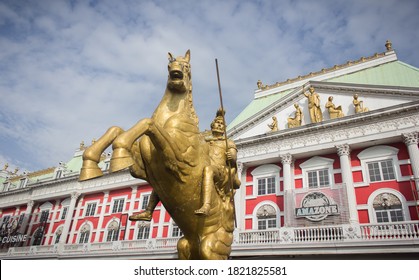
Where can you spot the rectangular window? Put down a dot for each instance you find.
(143, 232)
(381, 170)
(176, 232)
(385, 215)
(266, 223)
(146, 198)
(266, 185)
(44, 216)
(64, 213)
(118, 205)
(318, 178)
(90, 209)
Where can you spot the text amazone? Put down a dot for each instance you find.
(317, 210)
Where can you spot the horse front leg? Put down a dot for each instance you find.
(122, 156)
(91, 156)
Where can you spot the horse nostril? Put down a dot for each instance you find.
(176, 74)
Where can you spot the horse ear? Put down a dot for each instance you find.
(188, 55)
(170, 56)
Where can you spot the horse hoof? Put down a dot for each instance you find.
(89, 173)
(120, 160)
(89, 170)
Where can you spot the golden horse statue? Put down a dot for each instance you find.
(168, 151)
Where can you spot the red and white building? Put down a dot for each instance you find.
(339, 187)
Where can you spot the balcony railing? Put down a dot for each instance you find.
(393, 231)
(402, 235)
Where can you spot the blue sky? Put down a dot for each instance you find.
(71, 69)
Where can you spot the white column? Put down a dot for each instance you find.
(240, 197)
(286, 161)
(69, 218)
(101, 216)
(130, 211)
(411, 141)
(25, 222)
(347, 179)
(51, 223)
(76, 217)
(161, 224)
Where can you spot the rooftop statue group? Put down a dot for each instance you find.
(192, 173)
(315, 111)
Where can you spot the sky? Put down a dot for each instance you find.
(69, 70)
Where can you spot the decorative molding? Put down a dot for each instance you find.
(327, 135)
(75, 195)
(410, 138)
(343, 150)
(286, 159)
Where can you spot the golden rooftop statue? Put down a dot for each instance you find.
(274, 125)
(187, 169)
(359, 105)
(298, 117)
(316, 114)
(334, 112)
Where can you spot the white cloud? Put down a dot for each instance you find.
(70, 70)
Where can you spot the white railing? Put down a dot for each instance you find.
(403, 233)
(393, 231)
(319, 234)
(252, 237)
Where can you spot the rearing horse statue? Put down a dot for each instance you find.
(168, 151)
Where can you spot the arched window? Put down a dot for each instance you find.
(113, 231)
(266, 217)
(84, 234)
(388, 208)
(58, 233)
(38, 236)
(143, 230)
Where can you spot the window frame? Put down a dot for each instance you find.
(379, 154)
(143, 198)
(141, 229)
(85, 235)
(256, 219)
(64, 212)
(87, 210)
(112, 234)
(263, 172)
(174, 230)
(380, 169)
(120, 208)
(372, 212)
(316, 164)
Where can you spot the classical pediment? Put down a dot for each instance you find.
(374, 99)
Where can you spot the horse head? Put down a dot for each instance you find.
(179, 79)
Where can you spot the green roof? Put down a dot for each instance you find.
(394, 73)
(257, 105)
